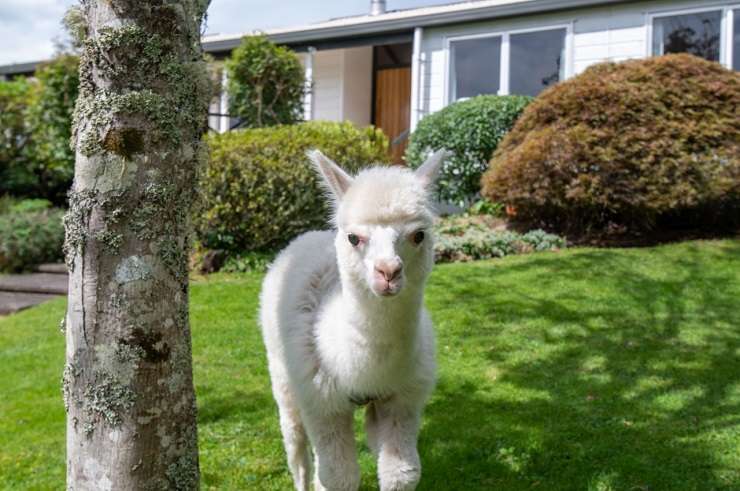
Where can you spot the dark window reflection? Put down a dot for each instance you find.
(697, 34)
(474, 67)
(536, 61)
(736, 40)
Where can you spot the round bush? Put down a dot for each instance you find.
(471, 130)
(30, 236)
(629, 146)
(266, 83)
(259, 191)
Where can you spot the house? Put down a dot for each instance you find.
(391, 68)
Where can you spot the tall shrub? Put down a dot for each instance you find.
(266, 83)
(15, 136)
(259, 190)
(50, 117)
(637, 144)
(471, 130)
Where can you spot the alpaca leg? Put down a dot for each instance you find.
(294, 437)
(333, 441)
(392, 435)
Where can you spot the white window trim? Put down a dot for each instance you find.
(505, 34)
(725, 34)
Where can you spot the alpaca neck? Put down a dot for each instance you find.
(386, 319)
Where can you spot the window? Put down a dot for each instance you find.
(537, 61)
(697, 34)
(475, 67)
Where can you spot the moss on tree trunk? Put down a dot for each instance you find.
(139, 118)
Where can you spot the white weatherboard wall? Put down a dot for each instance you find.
(597, 34)
(342, 85)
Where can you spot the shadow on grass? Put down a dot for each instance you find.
(627, 379)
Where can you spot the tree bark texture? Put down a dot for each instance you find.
(127, 383)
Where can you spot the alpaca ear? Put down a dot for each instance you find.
(335, 179)
(429, 170)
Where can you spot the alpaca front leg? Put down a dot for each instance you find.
(392, 434)
(333, 440)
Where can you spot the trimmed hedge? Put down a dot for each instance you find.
(472, 130)
(635, 146)
(31, 233)
(259, 190)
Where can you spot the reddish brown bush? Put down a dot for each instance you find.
(640, 144)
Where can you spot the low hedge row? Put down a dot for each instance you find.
(31, 233)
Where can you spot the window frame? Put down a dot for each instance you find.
(504, 68)
(725, 27)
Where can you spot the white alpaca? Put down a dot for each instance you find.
(344, 324)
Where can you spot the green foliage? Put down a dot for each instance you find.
(486, 207)
(259, 191)
(35, 127)
(31, 233)
(50, 117)
(266, 83)
(468, 238)
(639, 145)
(471, 130)
(15, 133)
(588, 369)
(248, 262)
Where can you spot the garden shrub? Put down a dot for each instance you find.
(471, 130)
(35, 127)
(468, 238)
(632, 146)
(259, 190)
(266, 83)
(50, 117)
(15, 135)
(31, 233)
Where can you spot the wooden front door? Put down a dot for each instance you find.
(393, 107)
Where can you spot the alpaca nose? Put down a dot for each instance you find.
(389, 269)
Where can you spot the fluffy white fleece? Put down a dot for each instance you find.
(344, 325)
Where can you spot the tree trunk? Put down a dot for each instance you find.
(127, 384)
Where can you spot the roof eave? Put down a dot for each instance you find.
(384, 25)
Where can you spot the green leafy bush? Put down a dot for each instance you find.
(15, 134)
(31, 233)
(471, 130)
(259, 191)
(266, 83)
(35, 128)
(639, 145)
(465, 238)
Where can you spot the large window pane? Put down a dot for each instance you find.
(475, 66)
(698, 34)
(537, 61)
(736, 39)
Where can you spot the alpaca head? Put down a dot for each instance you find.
(384, 221)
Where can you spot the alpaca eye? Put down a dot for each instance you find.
(353, 239)
(418, 237)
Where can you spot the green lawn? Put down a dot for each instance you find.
(580, 370)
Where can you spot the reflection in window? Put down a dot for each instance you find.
(537, 61)
(474, 67)
(736, 39)
(697, 34)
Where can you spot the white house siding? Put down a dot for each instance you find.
(358, 85)
(327, 85)
(342, 85)
(597, 34)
